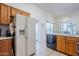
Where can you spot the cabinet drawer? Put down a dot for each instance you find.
(60, 37)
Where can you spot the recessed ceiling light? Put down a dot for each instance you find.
(65, 19)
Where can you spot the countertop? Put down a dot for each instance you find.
(2, 38)
(71, 35)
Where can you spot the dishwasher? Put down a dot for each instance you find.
(51, 41)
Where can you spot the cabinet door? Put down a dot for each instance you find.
(61, 43)
(9, 11)
(26, 14)
(71, 46)
(20, 12)
(4, 14)
(67, 46)
(5, 47)
(14, 11)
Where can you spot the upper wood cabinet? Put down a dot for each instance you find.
(9, 14)
(7, 11)
(26, 14)
(14, 11)
(20, 12)
(61, 43)
(4, 14)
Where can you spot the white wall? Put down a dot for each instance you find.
(38, 14)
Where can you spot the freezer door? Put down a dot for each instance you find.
(21, 45)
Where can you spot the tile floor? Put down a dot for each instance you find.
(42, 50)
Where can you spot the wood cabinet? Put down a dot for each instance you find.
(4, 14)
(14, 11)
(61, 43)
(67, 44)
(71, 45)
(5, 47)
(20, 12)
(25, 13)
(7, 11)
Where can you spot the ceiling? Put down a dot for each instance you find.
(58, 9)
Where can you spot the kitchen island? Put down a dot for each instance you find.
(67, 43)
(5, 46)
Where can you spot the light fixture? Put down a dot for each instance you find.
(65, 19)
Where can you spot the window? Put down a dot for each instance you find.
(49, 28)
(68, 28)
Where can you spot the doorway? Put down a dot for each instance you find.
(37, 32)
(37, 37)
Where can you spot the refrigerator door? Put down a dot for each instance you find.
(21, 45)
(31, 36)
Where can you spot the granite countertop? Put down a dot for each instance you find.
(2, 38)
(71, 35)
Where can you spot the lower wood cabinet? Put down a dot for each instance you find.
(61, 43)
(71, 46)
(67, 45)
(5, 47)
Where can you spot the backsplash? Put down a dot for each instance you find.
(3, 29)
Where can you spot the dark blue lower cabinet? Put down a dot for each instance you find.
(51, 41)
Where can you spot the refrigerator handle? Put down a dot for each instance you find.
(26, 33)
